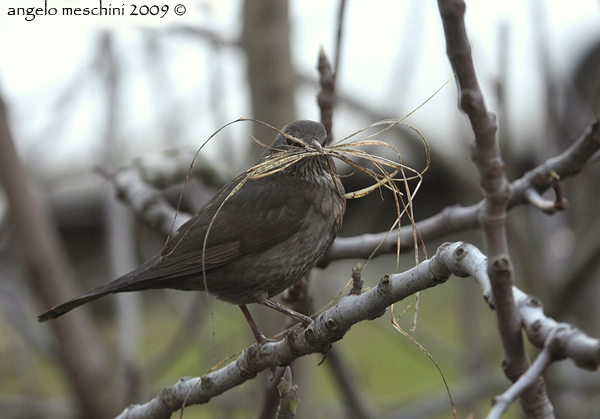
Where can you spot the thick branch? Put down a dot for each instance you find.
(458, 258)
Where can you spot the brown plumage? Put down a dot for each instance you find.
(265, 237)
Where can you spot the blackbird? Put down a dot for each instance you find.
(261, 239)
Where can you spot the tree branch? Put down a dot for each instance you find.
(558, 341)
(455, 218)
(326, 97)
(460, 259)
(135, 187)
(525, 381)
(77, 344)
(486, 155)
(138, 185)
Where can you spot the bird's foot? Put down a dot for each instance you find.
(304, 320)
(261, 339)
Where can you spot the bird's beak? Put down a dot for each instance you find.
(317, 146)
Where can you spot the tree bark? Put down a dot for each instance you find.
(76, 344)
(266, 40)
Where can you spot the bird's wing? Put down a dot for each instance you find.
(261, 213)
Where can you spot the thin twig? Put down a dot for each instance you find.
(455, 218)
(525, 381)
(338, 42)
(326, 97)
(357, 281)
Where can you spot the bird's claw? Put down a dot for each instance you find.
(261, 340)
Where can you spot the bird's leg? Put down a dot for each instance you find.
(305, 320)
(260, 338)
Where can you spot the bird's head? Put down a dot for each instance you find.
(301, 133)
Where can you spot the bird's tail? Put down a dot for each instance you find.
(123, 284)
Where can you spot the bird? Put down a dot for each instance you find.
(256, 237)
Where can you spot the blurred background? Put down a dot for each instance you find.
(84, 95)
